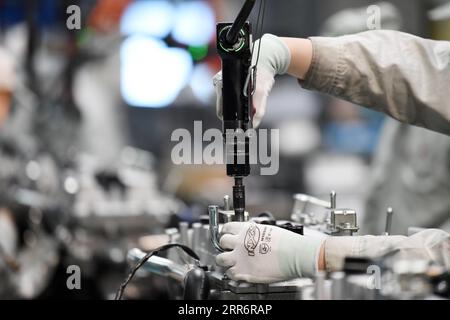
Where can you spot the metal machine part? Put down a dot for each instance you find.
(343, 222)
(204, 240)
(239, 198)
(226, 215)
(386, 278)
(226, 289)
(339, 222)
(389, 214)
(215, 285)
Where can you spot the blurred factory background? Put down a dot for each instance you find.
(86, 118)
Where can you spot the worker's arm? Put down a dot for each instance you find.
(402, 75)
(431, 244)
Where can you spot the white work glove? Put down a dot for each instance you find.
(274, 59)
(265, 254)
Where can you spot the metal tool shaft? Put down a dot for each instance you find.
(239, 199)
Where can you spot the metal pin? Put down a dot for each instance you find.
(226, 203)
(333, 199)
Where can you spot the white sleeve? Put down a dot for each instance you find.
(402, 75)
(430, 244)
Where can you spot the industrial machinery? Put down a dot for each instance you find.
(203, 238)
(391, 276)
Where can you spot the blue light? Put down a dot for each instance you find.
(152, 74)
(194, 23)
(154, 18)
(201, 83)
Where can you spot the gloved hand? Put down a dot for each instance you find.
(274, 59)
(266, 254)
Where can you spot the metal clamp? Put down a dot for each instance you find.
(389, 214)
(340, 221)
(343, 221)
(301, 201)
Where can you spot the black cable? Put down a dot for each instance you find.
(150, 254)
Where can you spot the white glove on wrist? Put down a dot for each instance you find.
(274, 59)
(266, 254)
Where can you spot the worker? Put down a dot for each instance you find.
(411, 165)
(402, 75)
